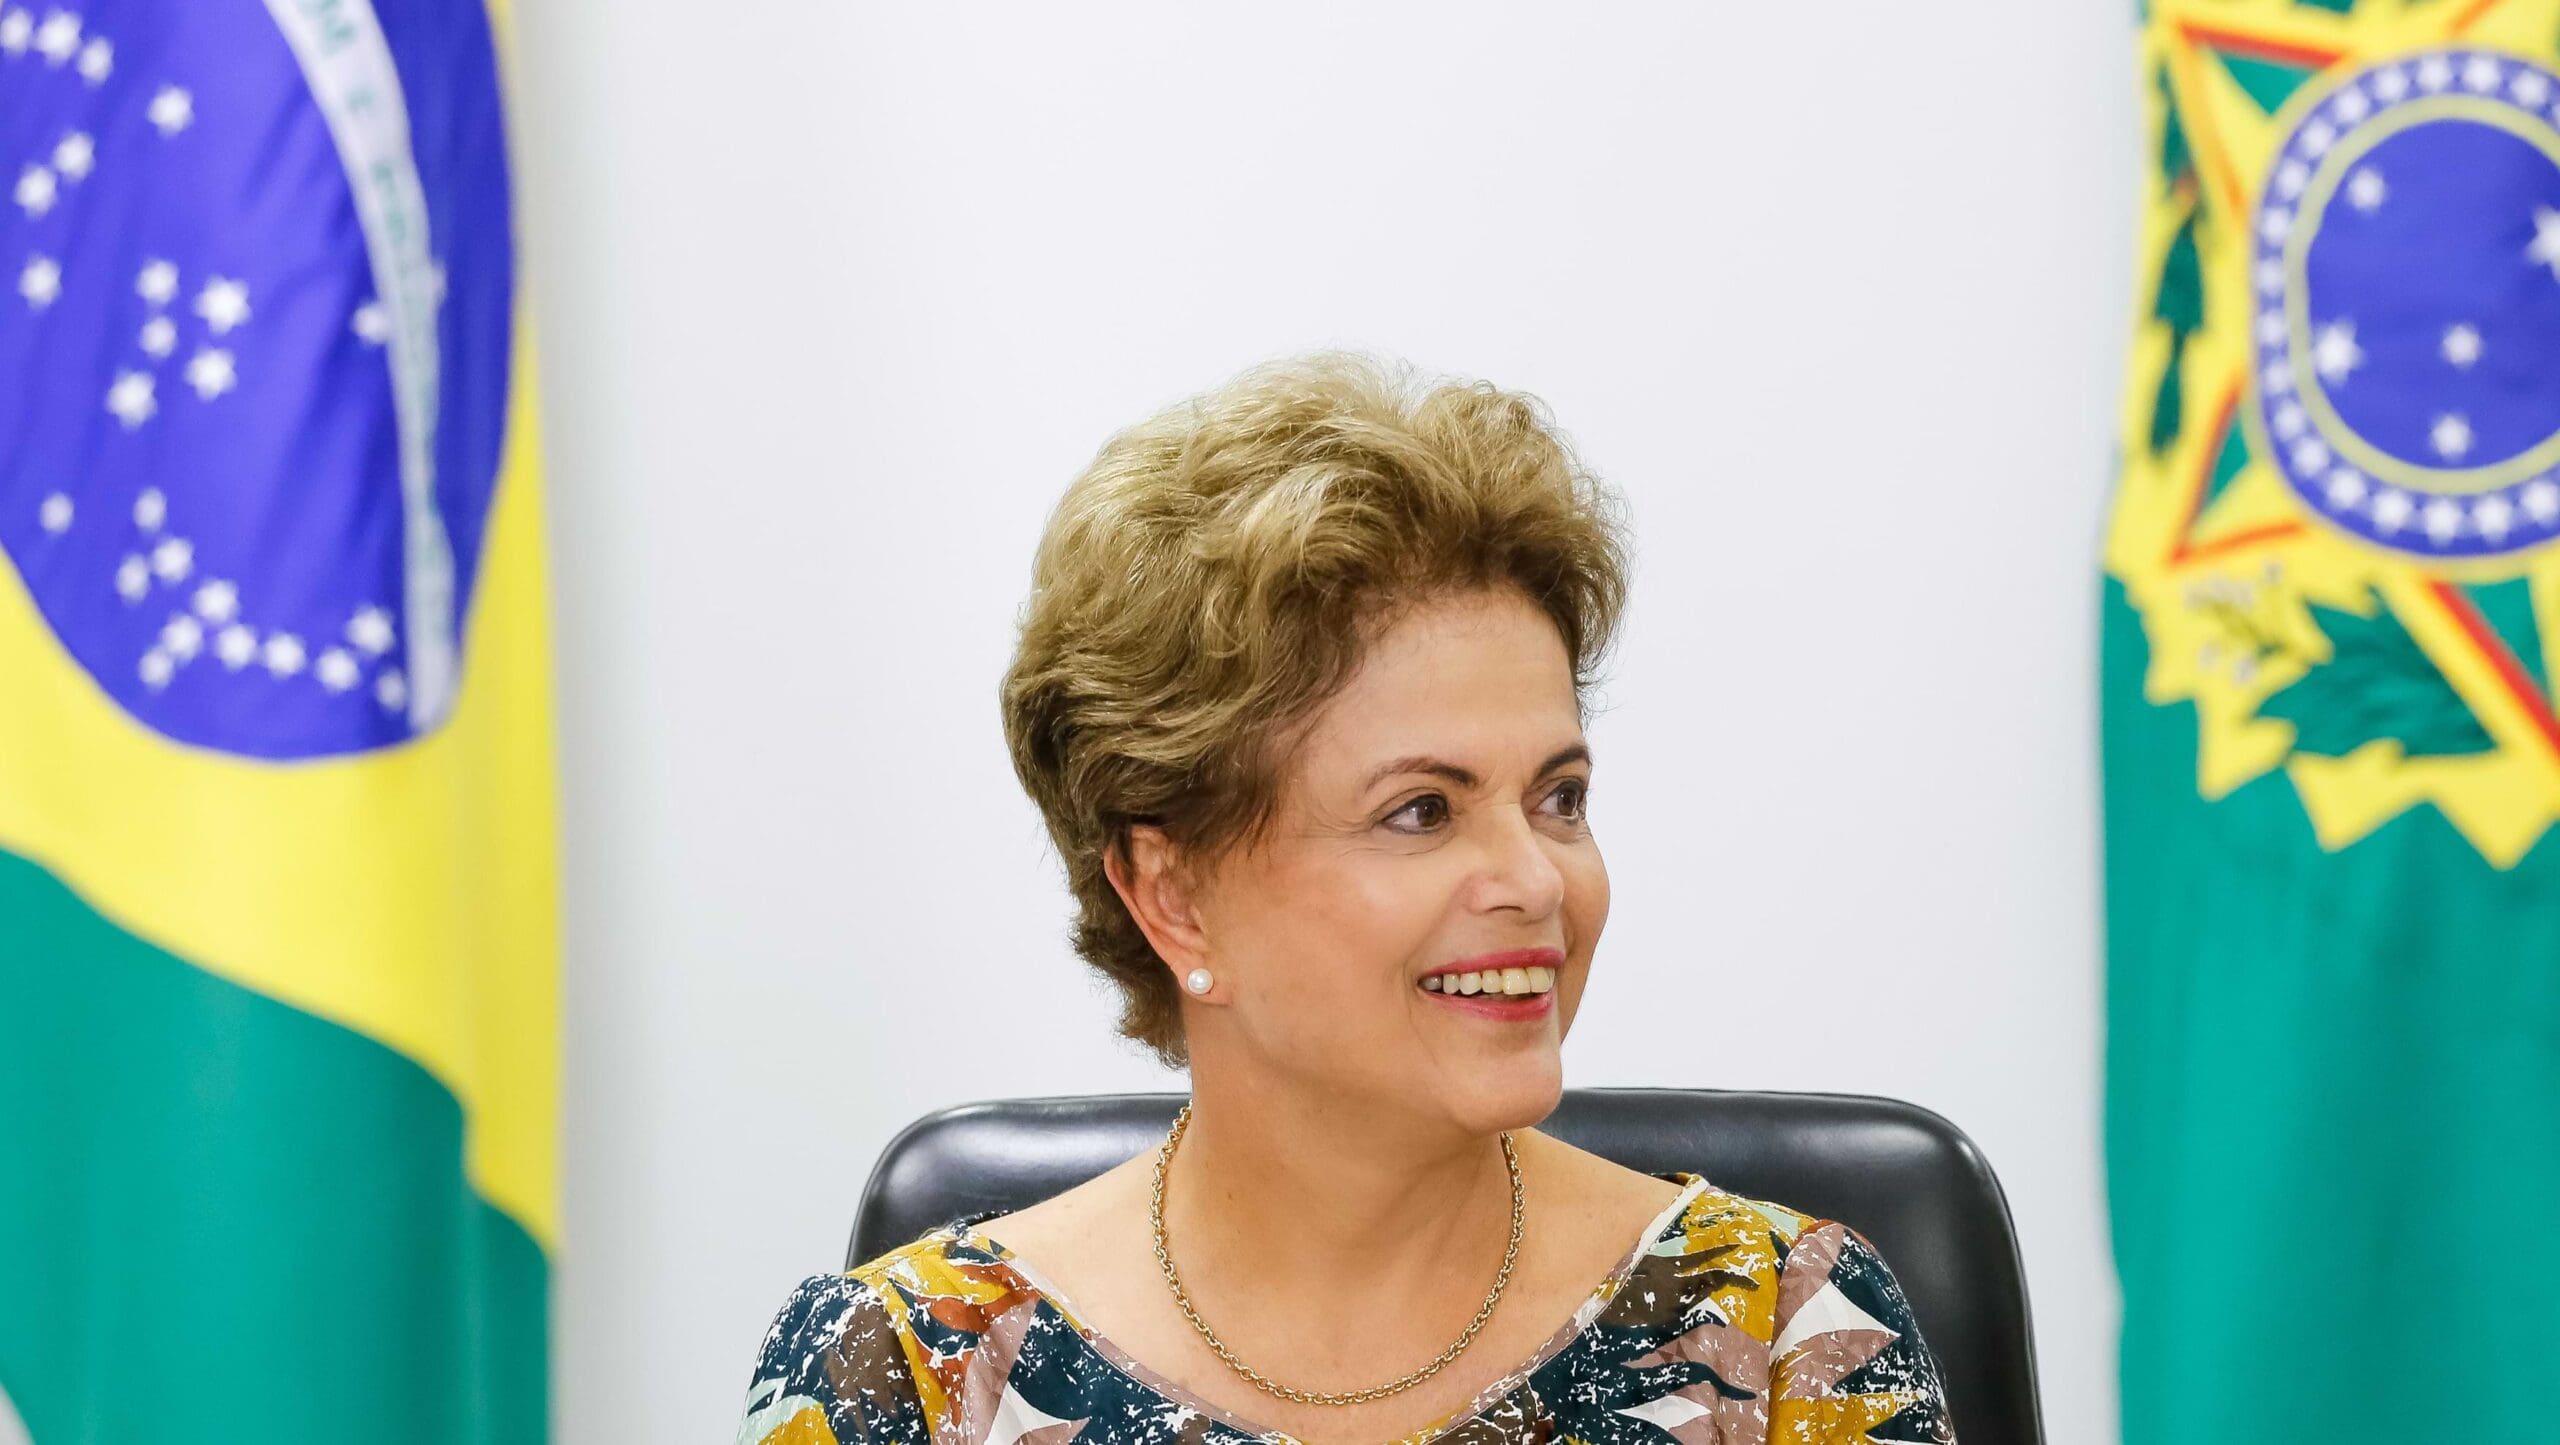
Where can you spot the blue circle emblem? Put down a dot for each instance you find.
(2407, 293)
(255, 331)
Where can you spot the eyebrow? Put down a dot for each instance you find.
(1465, 778)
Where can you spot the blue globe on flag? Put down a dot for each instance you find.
(2408, 283)
(254, 408)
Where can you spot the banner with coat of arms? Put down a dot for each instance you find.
(2332, 624)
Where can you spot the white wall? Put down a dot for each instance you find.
(836, 299)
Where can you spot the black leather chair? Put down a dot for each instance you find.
(1907, 1179)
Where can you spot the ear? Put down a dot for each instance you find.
(1154, 888)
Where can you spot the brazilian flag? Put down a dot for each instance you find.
(278, 938)
(2332, 625)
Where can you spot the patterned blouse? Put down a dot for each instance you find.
(1735, 1322)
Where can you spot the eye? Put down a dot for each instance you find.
(1573, 796)
(1432, 808)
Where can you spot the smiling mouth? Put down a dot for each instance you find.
(1517, 982)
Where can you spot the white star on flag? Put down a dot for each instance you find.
(2482, 74)
(2541, 498)
(2435, 73)
(2365, 190)
(150, 509)
(223, 303)
(2334, 352)
(370, 630)
(57, 37)
(2351, 106)
(40, 281)
(2317, 137)
(2530, 89)
(159, 336)
(2391, 84)
(391, 690)
(172, 110)
(2391, 510)
(2462, 344)
(97, 62)
(235, 645)
(283, 654)
(2346, 488)
(75, 155)
(2275, 226)
(2291, 177)
(156, 669)
(157, 282)
(55, 515)
(2451, 436)
(2444, 519)
(2545, 249)
(132, 398)
(173, 559)
(336, 669)
(2491, 515)
(133, 579)
(211, 372)
(35, 191)
(217, 601)
(16, 28)
(183, 637)
(372, 324)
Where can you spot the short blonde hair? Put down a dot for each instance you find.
(1212, 576)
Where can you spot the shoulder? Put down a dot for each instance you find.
(1734, 1249)
(1818, 1297)
(834, 1366)
(1769, 1242)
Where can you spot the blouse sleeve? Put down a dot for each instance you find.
(832, 1372)
(1848, 1357)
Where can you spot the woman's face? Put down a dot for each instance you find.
(1433, 818)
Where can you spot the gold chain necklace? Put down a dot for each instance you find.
(1164, 1257)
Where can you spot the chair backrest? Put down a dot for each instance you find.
(1907, 1179)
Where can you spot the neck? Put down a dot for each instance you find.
(1281, 1200)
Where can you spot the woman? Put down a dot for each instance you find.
(1299, 693)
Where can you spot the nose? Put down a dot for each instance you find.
(1516, 871)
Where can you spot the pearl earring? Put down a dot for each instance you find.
(1198, 980)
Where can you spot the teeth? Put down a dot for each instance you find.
(1517, 982)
